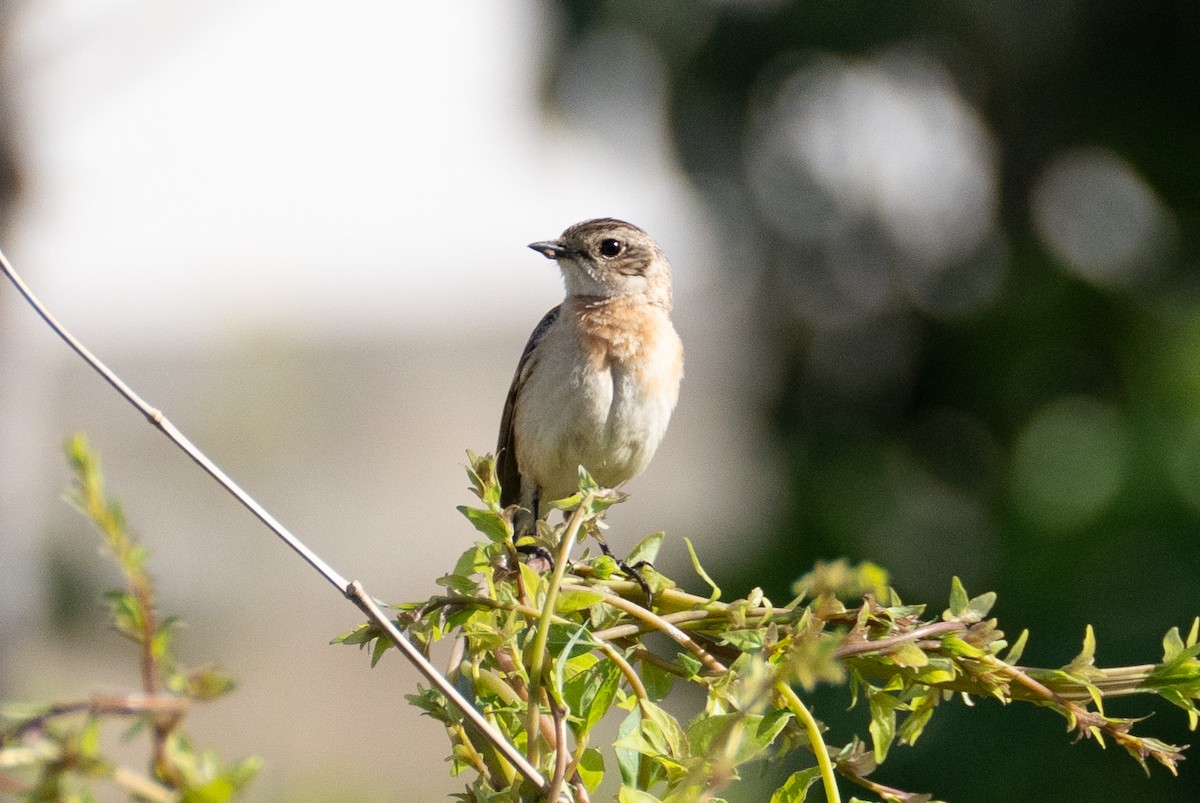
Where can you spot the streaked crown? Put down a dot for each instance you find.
(609, 257)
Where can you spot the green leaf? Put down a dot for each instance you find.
(958, 599)
(690, 663)
(126, 614)
(1180, 666)
(655, 580)
(160, 643)
(591, 768)
(586, 483)
(225, 786)
(536, 585)
(627, 794)
(459, 584)
(795, 788)
(658, 737)
(469, 566)
(136, 555)
(628, 758)
(566, 503)
(89, 738)
(433, 704)
(661, 732)
(359, 635)
(572, 601)
(590, 693)
(909, 655)
(844, 581)
(749, 640)
(564, 643)
(471, 562)
(940, 669)
(603, 500)
(482, 473)
(79, 454)
(382, 645)
(883, 722)
(488, 522)
(658, 681)
(1172, 645)
(1087, 656)
(208, 683)
(956, 646)
(696, 567)
(978, 607)
(920, 712)
(647, 549)
(707, 735)
(1014, 654)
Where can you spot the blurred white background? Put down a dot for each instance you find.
(299, 230)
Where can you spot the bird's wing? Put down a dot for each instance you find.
(507, 470)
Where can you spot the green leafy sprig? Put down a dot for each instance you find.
(59, 746)
(548, 655)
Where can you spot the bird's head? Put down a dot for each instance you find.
(610, 258)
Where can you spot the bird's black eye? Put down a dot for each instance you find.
(610, 247)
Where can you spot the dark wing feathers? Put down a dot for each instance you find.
(507, 470)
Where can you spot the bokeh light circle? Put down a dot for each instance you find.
(1098, 216)
(1068, 464)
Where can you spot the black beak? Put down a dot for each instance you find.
(550, 249)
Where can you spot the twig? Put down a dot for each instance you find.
(603, 643)
(880, 645)
(359, 597)
(128, 705)
(634, 628)
(541, 635)
(160, 421)
(884, 791)
(351, 590)
(561, 754)
(142, 787)
(661, 624)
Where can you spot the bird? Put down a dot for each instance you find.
(599, 378)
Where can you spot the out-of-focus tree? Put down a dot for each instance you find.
(10, 175)
(972, 233)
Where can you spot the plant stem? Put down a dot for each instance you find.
(661, 624)
(537, 656)
(820, 750)
(603, 643)
(561, 755)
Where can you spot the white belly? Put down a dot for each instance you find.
(607, 419)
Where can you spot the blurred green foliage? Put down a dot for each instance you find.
(1039, 435)
(58, 751)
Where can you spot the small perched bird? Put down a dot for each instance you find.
(599, 377)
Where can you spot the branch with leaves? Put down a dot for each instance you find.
(544, 657)
(352, 590)
(59, 745)
(547, 656)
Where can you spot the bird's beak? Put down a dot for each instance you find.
(550, 249)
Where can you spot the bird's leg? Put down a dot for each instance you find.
(534, 551)
(632, 572)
